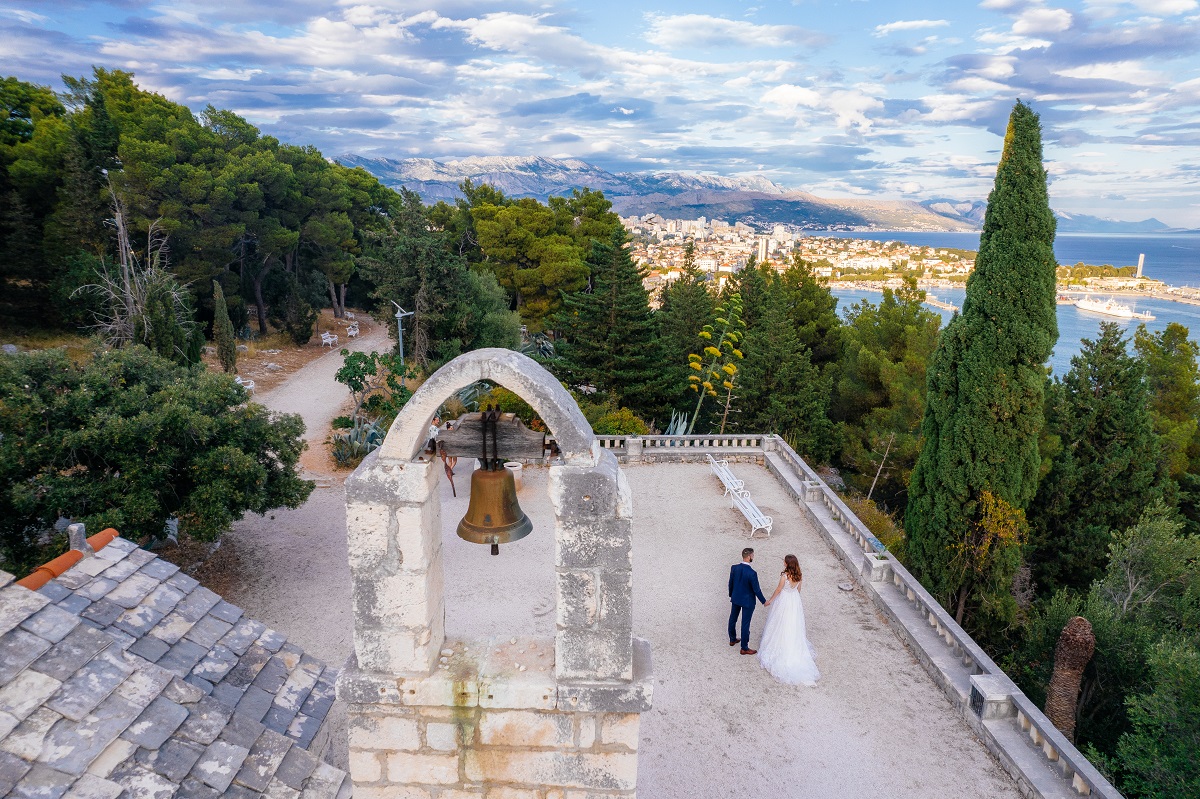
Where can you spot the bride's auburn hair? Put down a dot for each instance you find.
(791, 567)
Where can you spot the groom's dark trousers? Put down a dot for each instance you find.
(743, 590)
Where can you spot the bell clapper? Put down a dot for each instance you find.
(495, 549)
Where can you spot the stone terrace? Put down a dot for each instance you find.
(876, 724)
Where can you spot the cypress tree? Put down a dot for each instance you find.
(608, 337)
(986, 379)
(223, 331)
(1106, 470)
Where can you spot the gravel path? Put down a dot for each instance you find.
(313, 393)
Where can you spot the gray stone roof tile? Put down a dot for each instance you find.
(55, 590)
(18, 649)
(105, 681)
(90, 786)
(51, 623)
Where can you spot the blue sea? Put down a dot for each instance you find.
(1172, 258)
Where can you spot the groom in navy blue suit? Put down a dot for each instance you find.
(743, 590)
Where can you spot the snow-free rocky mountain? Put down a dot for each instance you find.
(750, 199)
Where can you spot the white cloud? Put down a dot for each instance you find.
(1124, 71)
(909, 25)
(702, 30)
(1040, 21)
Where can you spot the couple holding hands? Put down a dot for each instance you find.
(785, 651)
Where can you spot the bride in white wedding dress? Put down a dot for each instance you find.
(785, 651)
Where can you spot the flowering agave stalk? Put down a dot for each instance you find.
(720, 367)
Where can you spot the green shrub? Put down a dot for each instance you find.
(620, 422)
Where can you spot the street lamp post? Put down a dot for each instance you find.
(400, 314)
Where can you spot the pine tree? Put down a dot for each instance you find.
(608, 337)
(223, 331)
(1107, 467)
(986, 383)
(781, 390)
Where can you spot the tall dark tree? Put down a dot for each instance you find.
(812, 310)
(608, 337)
(1106, 469)
(781, 390)
(984, 409)
(685, 307)
(223, 331)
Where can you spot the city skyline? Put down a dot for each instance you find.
(851, 99)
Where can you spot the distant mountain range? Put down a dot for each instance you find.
(753, 200)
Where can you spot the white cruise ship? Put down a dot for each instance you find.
(1111, 307)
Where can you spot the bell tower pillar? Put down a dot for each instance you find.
(518, 716)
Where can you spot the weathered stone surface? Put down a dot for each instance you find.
(511, 369)
(159, 569)
(366, 766)
(138, 621)
(272, 675)
(242, 731)
(112, 757)
(26, 693)
(142, 783)
(605, 544)
(578, 602)
(163, 599)
(55, 590)
(75, 603)
(205, 721)
(179, 691)
(79, 695)
(89, 786)
(255, 703)
(51, 622)
(620, 729)
(616, 600)
(264, 758)
(227, 694)
(271, 640)
(296, 767)
(244, 633)
(182, 658)
(42, 782)
(523, 728)
(216, 664)
(156, 723)
(204, 685)
(132, 590)
(71, 746)
(12, 769)
(219, 764)
(150, 648)
(442, 736)
(208, 630)
(19, 649)
(145, 684)
(117, 571)
(248, 667)
(608, 770)
(596, 654)
(174, 759)
(183, 582)
(27, 739)
(97, 589)
(384, 731)
(194, 789)
(197, 604)
(405, 768)
(324, 783)
(103, 612)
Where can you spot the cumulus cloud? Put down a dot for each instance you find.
(909, 25)
(702, 30)
(1039, 21)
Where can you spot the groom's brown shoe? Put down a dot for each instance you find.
(749, 651)
(734, 643)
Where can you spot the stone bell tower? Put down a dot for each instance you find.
(491, 720)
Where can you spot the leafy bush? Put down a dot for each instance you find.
(880, 523)
(620, 422)
(342, 423)
(130, 439)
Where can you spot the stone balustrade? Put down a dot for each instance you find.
(1035, 753)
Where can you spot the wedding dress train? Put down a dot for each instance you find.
(785, 651)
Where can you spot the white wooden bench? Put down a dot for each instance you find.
(721, 469)
(352, 331)
(328, 340)
(758, 520)
(246, 384)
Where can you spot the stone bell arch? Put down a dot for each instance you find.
(484, 716)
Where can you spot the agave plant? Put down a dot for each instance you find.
(356, 443)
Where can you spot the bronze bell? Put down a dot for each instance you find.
(494, 515)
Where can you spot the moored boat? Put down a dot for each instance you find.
(1111, 307)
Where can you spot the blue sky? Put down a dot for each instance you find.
(851, 98)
